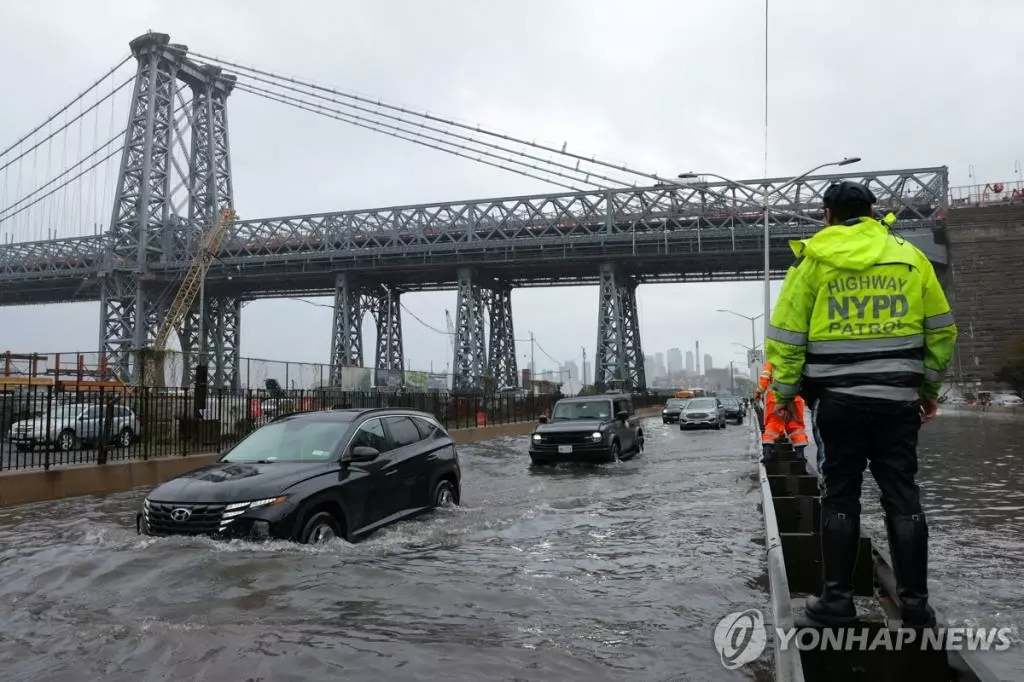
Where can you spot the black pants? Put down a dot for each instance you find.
(855, 432)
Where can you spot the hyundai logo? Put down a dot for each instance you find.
(181, 515)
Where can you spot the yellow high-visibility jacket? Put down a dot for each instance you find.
(862, 314)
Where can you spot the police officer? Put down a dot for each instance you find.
(863, 330)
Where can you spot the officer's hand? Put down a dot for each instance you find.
(930, 407)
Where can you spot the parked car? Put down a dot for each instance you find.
(313, 476)
(601, 428)
(702, 413)
(71, 425)
(733, 408)
(673, 406)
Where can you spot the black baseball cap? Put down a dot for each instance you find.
(847, 193)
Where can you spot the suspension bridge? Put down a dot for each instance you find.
(94, 208)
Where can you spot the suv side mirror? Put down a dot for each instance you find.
(363, 453)
(543, 419)
(622, 415)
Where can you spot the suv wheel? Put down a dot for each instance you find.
(321, 528)
(444, 494)
(126, 438)
(616, 450)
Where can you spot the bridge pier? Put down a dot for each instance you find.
(619, 360)
(221, 343)
(385, 302)
(501, 350)
(470, 362)
(347, 334)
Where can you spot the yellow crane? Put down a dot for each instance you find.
(209, 245)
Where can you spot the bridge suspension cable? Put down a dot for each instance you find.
(55, 180)
(12, 209)
(247, 71)
(590, 177)
(416, 139)
(67, 106)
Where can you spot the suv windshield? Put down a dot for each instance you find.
(583, 409)
(701, 404)
(291, 440)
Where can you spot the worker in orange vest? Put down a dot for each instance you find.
(775, 424)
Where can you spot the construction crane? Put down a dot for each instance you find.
(451, 332)
(209, 245)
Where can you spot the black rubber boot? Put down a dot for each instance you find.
(840, 541)
(767, 452)
(908, 546)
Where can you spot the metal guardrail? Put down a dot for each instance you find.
(988, 194)
(788, 665)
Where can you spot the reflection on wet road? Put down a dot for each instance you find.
(603, 573)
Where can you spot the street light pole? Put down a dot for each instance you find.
(765, 195)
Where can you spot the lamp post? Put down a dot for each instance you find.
(765, 196)
(753, 319)
(753, 338)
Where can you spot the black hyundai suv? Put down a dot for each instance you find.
(601, 428)
(313, 476)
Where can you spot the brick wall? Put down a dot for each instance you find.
(985, 287)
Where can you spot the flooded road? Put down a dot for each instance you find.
(972, 481)
(607, 573)
(616, 572)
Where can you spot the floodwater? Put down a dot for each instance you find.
(615, 572)
(972, 482)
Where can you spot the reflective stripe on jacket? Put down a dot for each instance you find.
(863, 314)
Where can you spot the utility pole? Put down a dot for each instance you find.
(732, 380)
(583, 382)
(533, 368)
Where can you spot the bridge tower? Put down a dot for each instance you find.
(352, 301)
(619, 360)
(146, 230)
(469, 365)
(387, 315)
(501, 349)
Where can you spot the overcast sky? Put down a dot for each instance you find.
(667, 86)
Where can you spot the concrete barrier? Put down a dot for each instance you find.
(981, 409)
(34, 485)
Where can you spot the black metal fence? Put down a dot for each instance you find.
(41, 427)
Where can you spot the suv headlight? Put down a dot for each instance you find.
(536, 437)
(597, 436)
(236, 509)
